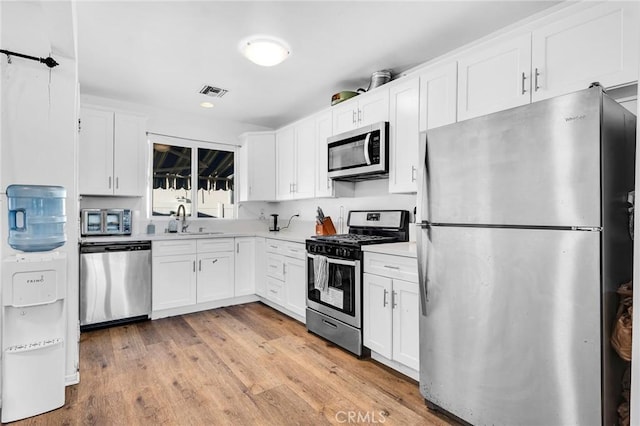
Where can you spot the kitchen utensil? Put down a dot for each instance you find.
(378, 78)
(342, 96)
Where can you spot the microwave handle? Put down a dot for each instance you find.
(367, 139)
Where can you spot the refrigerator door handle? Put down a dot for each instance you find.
(422, 266)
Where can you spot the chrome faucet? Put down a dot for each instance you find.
(184, 225)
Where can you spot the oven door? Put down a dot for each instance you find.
(342, 297)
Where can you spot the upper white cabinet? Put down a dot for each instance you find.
(599, 44)
(362, 110)
(404, 135)
(258, 171)
(325, 187)
(494, 78)
(111, 152)
(438, 95)
(295, 159)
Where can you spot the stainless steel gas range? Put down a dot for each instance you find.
(334, 274)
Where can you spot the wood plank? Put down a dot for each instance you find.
(242, 365)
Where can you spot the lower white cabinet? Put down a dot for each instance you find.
(286, 278)
(391, 308)
(187, 272)
(245, 266)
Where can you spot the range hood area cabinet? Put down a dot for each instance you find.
(111, 151)
(598, 44)
(362, 110)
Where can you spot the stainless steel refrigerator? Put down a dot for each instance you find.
(524, 239)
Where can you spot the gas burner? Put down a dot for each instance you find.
(355, 239)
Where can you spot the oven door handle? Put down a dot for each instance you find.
(337, 261)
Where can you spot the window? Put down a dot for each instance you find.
(209, 193)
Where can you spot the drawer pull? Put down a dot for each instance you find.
(273, 291)
(329, 324)
(391, 267)
(384, 298)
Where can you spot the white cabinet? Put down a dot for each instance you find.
(245, 266)
(174, 274)
(598, 44)
(295, 161)
(187, 272)
(261, 266)
(286, 277)
(361, 110)
(391, 308)
(403, 135)
(494, 78)
(216, 269)
(325, 187)
(111, 153)
(257, 167)
(438, 95)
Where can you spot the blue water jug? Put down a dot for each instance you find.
(36, 217)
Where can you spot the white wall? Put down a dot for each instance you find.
(39, 125)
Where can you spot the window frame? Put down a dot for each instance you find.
(153, 138)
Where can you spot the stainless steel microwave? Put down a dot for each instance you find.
(105, 222)
(359, 154)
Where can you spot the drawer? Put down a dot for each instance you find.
(286, 248)
(171, 247)
(275, 291)
(215, 245)
(386, 265)
(275, 266)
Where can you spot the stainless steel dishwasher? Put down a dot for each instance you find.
(115, 283)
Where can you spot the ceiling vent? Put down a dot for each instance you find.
(214, 92)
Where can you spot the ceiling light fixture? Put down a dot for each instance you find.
(206, 105)
(265, 50)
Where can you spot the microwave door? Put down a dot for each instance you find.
(113, 222)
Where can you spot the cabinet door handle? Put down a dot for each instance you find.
(524, 78)
(284, 269)
(194, 266)
(413, 173)
(384, 298)
(353, 118)
(535, 80)
(359, 115)
(199, 265)
(237, 247)
(109, 182)
(393, 300)
(117, 182)
(328, 183)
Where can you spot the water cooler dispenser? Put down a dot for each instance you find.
(33, 303)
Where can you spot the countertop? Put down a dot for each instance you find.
(406, 249)
(295, 237)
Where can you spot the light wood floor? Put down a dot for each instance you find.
(241, 365)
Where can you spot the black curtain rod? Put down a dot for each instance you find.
(49, 61)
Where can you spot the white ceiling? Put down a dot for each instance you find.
(161, 53)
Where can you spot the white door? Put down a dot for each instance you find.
(403, 136)
(295, 285)
(494, 78)
(373, 107)
(345, 116)
(305, 163)
(285, 160)
(377, 316)
(215, 276)
(323, 129)
(174, 281)
(95, 152)
(128, 155)
(406, 339)
(438, 96)
(245, 266)
(598, 44)
(260, 266)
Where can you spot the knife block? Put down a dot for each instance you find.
(326, 227)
